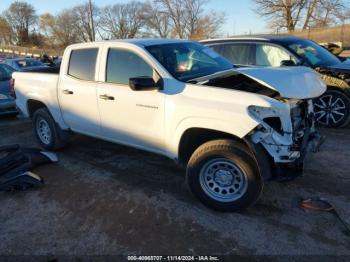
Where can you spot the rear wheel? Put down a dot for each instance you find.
(46, 131)
(224, 176)
(332, 109)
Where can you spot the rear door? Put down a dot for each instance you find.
(77, 91)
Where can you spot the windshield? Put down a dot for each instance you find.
(186, 61)
(313, 53)
(28, 63)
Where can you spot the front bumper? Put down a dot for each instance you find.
(312, 142)
(288, 169)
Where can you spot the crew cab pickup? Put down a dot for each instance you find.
(232, 128)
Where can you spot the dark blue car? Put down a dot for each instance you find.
(332, 109)
(7, 99)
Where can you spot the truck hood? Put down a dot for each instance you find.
(289, 82)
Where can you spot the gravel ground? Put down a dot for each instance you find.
(106, 199)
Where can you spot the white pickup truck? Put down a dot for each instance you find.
(232, 127)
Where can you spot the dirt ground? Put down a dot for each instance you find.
(106, 199)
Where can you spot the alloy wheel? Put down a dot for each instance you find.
(330, 109)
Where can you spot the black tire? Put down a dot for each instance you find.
(57, 138)
(232, 158)
(332, 109)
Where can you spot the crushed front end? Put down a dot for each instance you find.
(286, 132)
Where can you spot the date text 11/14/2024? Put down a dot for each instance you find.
(173, 258)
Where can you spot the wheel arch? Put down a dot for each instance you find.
(345, 91)
(33, 105)
(194, 137)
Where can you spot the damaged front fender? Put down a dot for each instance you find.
(288, 140)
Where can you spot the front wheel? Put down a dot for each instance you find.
(224, 176)
(332, 109)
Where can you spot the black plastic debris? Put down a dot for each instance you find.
(16, 164)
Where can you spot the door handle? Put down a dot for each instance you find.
(67, 92)
(106, 97)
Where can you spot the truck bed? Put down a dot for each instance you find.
(51, 70)
(42, 85)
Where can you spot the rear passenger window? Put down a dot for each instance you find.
(82, 64)
(238, 54)
(123, 65)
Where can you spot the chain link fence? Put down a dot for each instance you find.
(338, 34)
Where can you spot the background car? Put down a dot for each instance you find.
(2, 58)
(7, 99)
(333, 48)
(332, 109)
(57, 61)
(24, 64)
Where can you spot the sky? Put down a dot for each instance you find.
(240, 18)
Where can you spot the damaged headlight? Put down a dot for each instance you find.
(268, 117)
(259, 112)
(275, 123)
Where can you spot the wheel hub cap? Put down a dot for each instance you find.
(44, 131)
(222, 180)
(223, 177)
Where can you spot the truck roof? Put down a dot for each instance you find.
(152, 41)
(135, 41)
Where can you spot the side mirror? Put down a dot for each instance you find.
(287, 63)
(142, 83)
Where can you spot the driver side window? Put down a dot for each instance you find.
(270, 55)
(123, 65)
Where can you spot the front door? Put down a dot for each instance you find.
(130, 117)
